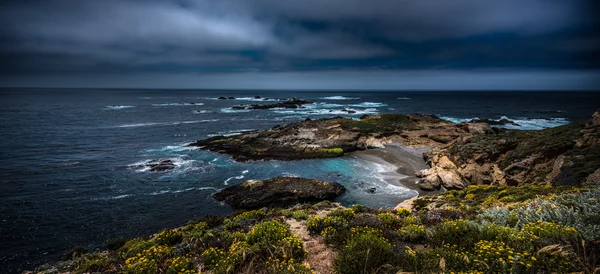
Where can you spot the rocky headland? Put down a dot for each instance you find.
(335, 136)
(461, 154)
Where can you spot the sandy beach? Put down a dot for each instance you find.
(406, 160)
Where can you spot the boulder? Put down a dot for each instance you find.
(431, 182)
(279, 191)
(222, 98)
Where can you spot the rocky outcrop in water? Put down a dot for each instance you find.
(334, 136)
(291, 103)
(157, 166)
(280, 191)
(565, 155)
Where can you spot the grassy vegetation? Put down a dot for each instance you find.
(482, 229)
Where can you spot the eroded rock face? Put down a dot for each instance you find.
(280, 191)
(565, 155)
(442, 174)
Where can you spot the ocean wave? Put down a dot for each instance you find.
(403, 98)
(177, 104)
(118, 107)
(165, 123)
(239, 177)
(163, 192)
(155, 193)
(369, 105)
(252, 99)
(379, 176)
(175, 148)
(230, 132)
(523, 123)
(107, 198)
(339, 98)
(200, 111)
(230, 110)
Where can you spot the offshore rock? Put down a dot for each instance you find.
(279, 191)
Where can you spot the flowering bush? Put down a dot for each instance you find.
(388, 220)
(403, 212)
(181, 265)
(364, 253)
(169, 237)
(149, 260)
(412, 233)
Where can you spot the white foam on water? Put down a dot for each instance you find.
(118, 107)
(339, 98)
(201, 111)
(403, 98)
(230, 110)
(379, 175)
(175, 148)
(369, 105)
(163, 192)
(165, 123)
(118, 197)
(230, 133)
(177, 104)
(239, 177)
(309, 111)
(252, 99)
(524, 123)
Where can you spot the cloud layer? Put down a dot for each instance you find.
(134, 36)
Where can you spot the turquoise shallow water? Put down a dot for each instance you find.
(68, 157)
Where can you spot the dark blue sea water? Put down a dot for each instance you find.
(67, 174)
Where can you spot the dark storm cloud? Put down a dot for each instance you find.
(134, 36)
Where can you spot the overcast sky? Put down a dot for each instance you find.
(317, 44)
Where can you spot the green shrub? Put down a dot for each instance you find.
(388, 220)
(459, 232)
(93, 263)
(149, 260)
(300, 214)
(135, 246)
(252, 215)
(169, 237)
(364, 253)
(403, 212)
(346, 213)
(412, 233)
(268, 233)
(181, 265)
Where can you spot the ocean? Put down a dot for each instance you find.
(70, 175)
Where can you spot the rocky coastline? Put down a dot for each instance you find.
(548, 179)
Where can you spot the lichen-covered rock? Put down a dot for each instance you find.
(280, 191)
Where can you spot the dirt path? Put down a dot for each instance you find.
(320, 256)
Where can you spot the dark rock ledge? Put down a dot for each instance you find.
(279, 191)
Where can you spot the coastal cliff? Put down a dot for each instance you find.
(564, 155)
